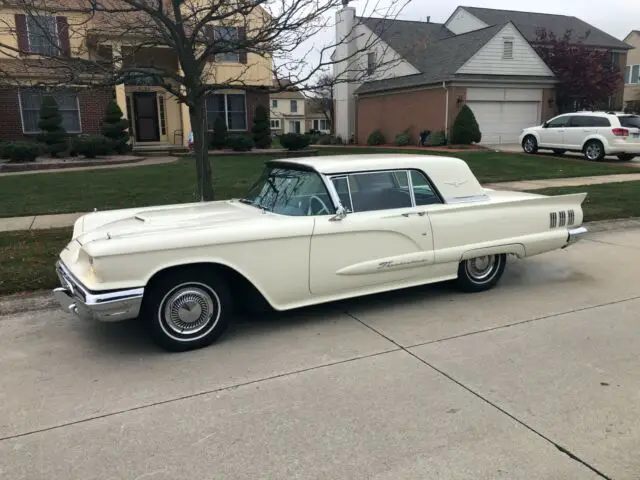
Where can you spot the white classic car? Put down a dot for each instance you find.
(310, 230)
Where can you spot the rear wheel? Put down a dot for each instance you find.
(481, 273)
(593, 150)
(188, 309)
(626, 157)
(530, 144)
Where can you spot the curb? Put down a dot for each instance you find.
(42, 299)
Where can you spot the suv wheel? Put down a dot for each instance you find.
(530, 144)
(594, 150)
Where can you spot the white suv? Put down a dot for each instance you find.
(595, 134)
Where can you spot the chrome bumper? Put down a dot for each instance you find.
(111, 306)
(575, 234)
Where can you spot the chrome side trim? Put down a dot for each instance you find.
(110, 306)
(469, 199)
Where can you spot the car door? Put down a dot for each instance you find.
(578, 127)
(552, 135)
(384, 239)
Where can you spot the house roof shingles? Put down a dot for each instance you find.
(529, 22)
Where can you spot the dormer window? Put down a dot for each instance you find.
(507, 49)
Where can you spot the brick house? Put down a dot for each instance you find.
(157, 119)
(480, 57)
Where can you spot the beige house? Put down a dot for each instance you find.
(316, 118)
(287, 111)
(632, 71)
(158, 121)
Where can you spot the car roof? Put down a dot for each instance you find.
(334, 164)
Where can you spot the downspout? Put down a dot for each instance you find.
(446, 109)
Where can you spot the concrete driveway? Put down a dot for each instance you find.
(537, 379)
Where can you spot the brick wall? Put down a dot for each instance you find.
(393, 113)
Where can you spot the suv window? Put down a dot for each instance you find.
(558, 122)
(589, 121)
(629, 121)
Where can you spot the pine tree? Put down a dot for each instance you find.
(261, 129)
(53, 135)
(116, 128)
(465, 129)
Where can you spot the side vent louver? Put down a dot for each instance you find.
(562, 218)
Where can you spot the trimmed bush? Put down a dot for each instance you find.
(325, 140)
(115, 128)
(53, 134)
(239, 143)
(219, 139)
(294, 141)
(314, 138)
(337, 140)
(92, 146)
(376, 138)
(20, 152)
(436, 139)
(261, 129)
(465, 129)
(403, 139)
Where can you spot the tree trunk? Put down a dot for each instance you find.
(201, 150)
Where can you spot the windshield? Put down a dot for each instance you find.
(629, 121)
(289, 191)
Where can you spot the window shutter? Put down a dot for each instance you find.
(21, 32)
(242, 36)
(209, 35)
(63, 36)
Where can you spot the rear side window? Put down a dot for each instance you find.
(589, 121)
(630, 121)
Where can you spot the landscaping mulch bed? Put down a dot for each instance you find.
(62, 163)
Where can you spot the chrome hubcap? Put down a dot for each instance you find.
(189, 310)
(481, 268)
(528, 145)
(593, 151)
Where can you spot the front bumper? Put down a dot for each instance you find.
(575, 234)
(110, 306)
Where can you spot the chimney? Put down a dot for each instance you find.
(428, 19)
(345, 70)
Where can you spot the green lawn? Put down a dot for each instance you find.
(28, 259)
(81, 191)
(604, 202)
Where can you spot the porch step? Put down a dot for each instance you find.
(158, 150)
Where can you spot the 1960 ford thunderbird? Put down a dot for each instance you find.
(310, 230)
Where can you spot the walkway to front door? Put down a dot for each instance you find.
(145, 112)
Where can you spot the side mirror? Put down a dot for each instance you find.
(341, 212)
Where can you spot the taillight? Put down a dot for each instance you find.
(620, 132)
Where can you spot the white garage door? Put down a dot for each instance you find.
(502, 122)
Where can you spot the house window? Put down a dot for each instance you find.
(627, 74)
(229, 106)
(635, 73)
(615, 59)
(274, 103)
(371, 63)
(275, 124)
(31, 100)
(42, 32)
(321, 124)
(294, 106)
(229, 36)
(507, 49)
(294, 126)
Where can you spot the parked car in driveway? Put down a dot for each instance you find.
(310, 230)
(595, 134)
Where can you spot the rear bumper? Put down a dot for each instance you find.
(111, 306)
(615, 148)
(575, 235)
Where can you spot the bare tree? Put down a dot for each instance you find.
(322, 97)
(177, 44)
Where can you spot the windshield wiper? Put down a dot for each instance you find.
(246, 201)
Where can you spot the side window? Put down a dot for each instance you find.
(601, 122)
(422, 189)
(559, 122)
(578, 121)
(379, 191)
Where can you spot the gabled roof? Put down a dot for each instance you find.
(437, 61)
(529, 22)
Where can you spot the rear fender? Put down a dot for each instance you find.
(516, 249)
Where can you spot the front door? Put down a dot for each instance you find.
(385, 240)
(553, 134)
(145, 108)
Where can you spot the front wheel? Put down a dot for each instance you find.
(530, 144)
(188, 309)
(626, 157)
(480, 273)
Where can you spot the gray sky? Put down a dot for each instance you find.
(617, 17)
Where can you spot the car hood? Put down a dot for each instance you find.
(152, 221)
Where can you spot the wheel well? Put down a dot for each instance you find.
(244, 293)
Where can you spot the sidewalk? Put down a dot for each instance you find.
(43, 222)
